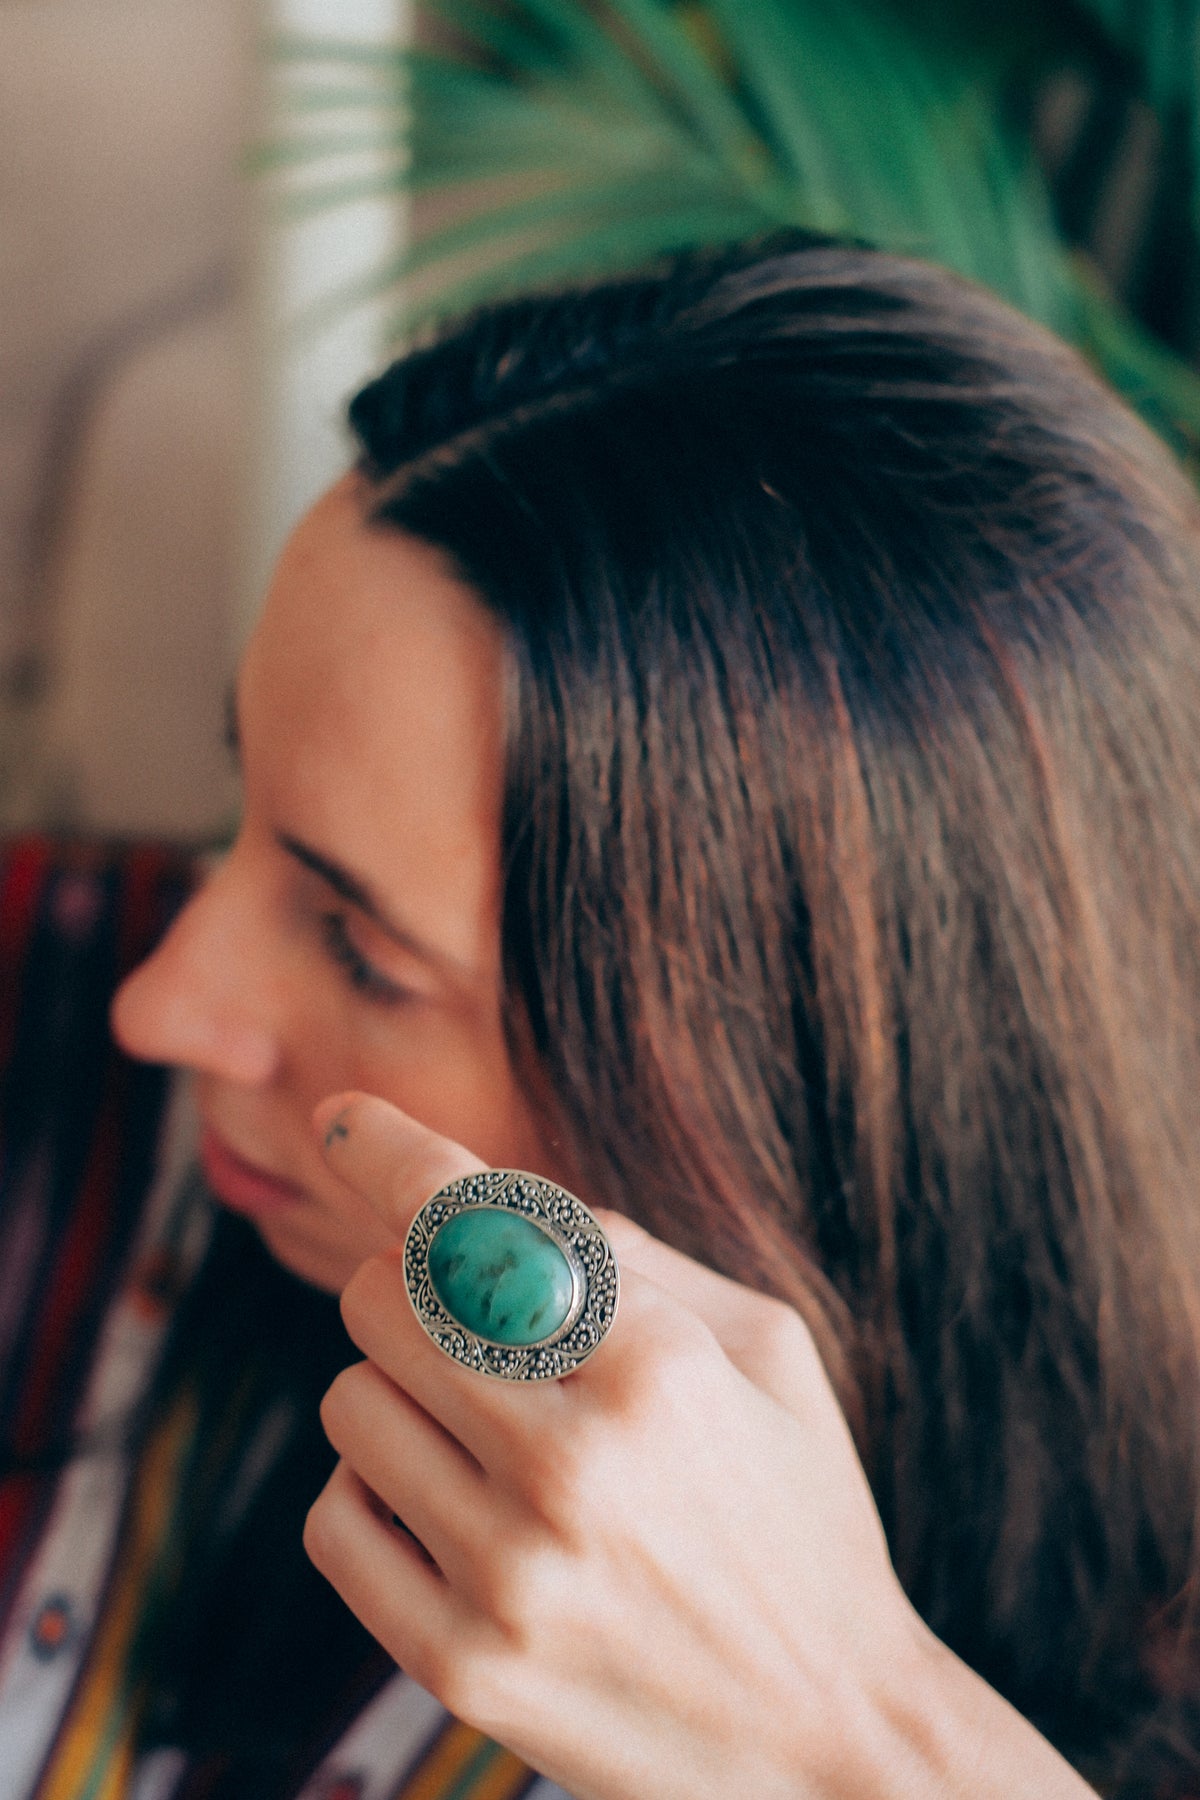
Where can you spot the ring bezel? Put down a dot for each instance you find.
(568, 1223)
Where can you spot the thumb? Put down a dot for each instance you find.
(388, 1158)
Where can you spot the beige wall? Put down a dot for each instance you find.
(161, 421)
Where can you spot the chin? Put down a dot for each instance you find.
(318, 1264)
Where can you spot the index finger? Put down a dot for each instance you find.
(397, 1165)
(392, 1160)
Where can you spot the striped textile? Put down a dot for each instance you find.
(79, 1129)
(102, 1230)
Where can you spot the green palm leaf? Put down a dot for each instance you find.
(1161, 38)
(1159, 41)
(580, 137)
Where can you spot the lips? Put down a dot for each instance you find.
(242, 1185)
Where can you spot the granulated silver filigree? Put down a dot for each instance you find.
(567, 1222)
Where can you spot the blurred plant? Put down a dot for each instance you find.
(569, 138)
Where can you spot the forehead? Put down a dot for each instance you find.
(371, 710)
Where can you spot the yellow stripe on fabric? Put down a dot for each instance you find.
(94, 1756)
(503, 1778)
(112, 1782)
(442, 1763)
(464, 1764)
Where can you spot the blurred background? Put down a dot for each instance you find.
(164, 412)
(217, 219)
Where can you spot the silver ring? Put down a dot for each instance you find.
(511, 1276)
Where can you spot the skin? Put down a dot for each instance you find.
(369, 718)
(664, 1576)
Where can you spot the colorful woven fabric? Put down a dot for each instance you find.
(79, 1127)
(105, 1241)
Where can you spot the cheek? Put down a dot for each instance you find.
(322, 1051)
(453, 1075)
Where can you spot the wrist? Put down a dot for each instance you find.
(936, 1729)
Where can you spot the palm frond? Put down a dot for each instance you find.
(584, 136)
(1160, 41)
(1160, 37)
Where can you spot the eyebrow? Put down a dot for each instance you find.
(344, 883)
(354, 890)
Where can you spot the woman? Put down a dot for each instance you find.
(732, 747)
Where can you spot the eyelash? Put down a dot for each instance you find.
(363, 976)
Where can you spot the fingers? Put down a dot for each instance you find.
(421, 1474)
(396, 1164)
(763, 1337)
(386, 1157)
(489, 1418)
(379, 1572)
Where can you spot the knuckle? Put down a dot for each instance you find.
(338, 1405)
(560, 1477)
(319, 1535)
(675, 1357)
(782, 1348)
(624, 1234)
(515, 1592)
(502, 1595)
(436, 1668)
(465, 1678)
(366, 1296)
(783, 1334)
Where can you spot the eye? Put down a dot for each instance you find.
(361, 974)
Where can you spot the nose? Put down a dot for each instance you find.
(201, 1000)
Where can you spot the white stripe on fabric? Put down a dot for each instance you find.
(157, 1775)
(381, 1743)
(72, 1559)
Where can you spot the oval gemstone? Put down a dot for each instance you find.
(500, 1276)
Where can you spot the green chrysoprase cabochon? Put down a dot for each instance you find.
(500, 1276)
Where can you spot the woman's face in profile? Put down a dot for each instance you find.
(350, 939)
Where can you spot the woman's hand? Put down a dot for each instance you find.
(661, 1577)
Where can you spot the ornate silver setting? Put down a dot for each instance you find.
(564, 1219)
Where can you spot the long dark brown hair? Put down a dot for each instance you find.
(852, 850)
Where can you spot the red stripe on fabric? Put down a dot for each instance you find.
(74, 1270)
(149, 874)
(80, 1254)
(25, 869)
(17, 1498)
(26, 866)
